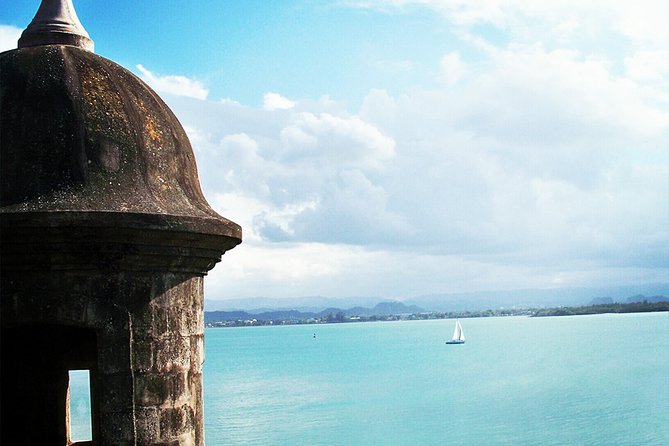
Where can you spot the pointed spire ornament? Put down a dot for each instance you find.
(56, 23)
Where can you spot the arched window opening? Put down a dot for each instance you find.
(52, 368)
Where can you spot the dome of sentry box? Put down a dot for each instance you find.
(105, 238)
(82, 134)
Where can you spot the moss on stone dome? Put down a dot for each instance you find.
(79, 133)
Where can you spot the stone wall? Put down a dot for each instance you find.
(105, 237)
(148, 342)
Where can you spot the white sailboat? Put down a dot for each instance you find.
(458, 335)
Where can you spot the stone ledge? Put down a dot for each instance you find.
(113, 241)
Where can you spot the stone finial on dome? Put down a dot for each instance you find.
(56, 23)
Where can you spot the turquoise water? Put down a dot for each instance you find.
(80, 406)
(583, 380)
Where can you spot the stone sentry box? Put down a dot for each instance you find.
(104, 241)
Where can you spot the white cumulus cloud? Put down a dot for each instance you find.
(643, 21)
(535, 160)
(274, 101)
(452, 68)
(648, 65)
(338, 140)
(9, 37)
(176, 85)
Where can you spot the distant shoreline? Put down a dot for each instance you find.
(634, 307)
(340, 318)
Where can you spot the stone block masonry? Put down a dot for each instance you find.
(105, 238)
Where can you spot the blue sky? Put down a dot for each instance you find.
(242, 49)
(403, 147)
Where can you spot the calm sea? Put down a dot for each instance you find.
(583, 380)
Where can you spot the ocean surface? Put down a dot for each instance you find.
(577, 380)
(580, 380)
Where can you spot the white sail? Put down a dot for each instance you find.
(456, 331)
(458, 334)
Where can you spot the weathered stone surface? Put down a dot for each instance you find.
(143, 353)
(175, 422)
(116, 392)
(163, 390)
(105, 238)
(197, 353)
(153, 389)
(183, 388)
(172, 355)
(114, 356)
(100, 140)
(148, 426)
(115, 428)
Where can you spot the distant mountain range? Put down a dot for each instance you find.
(389, 308)
(532, 298)
(307, 304)
(650, 299)
(380, 309)
(475, 301)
